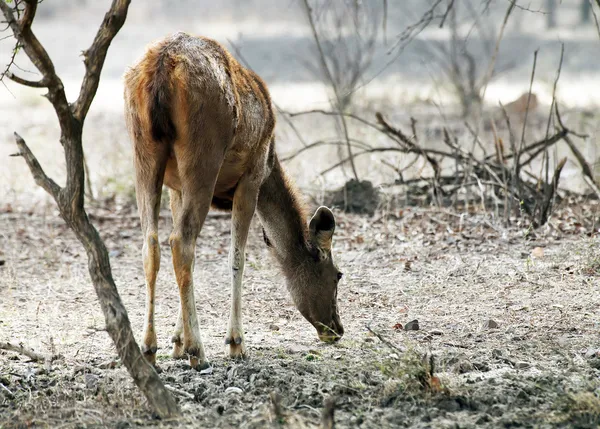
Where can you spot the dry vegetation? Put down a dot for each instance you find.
(536, 363)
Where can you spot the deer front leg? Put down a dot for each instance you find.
(244, 205)
(187, 226)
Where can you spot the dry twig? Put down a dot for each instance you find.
(21, 349)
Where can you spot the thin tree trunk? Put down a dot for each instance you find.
(70, 198)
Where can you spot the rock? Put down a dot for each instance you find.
(522, 365)
(491, 324)
(206, 371)
(497, 353)
(273, 327)
(537, 252)
(114, 253)
(449, 405)
(436, 332)
(481, 366)
(594, 363)
(91, 381)
(355, 197)
(413, 325)
(590, 353)
(234, 390)
(463, 367)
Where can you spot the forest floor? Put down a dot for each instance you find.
(507, 334)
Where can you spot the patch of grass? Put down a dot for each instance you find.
(311, 357)
(592, 265)
(580, 409)
(412, 376)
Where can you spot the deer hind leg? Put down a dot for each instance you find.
(244, 205)
(177, 338)
(198, 176)
(150, 168)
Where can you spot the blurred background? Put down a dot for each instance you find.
(425, 66)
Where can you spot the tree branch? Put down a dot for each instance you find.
(31, 83)
(40, 59)
(21, 349)
(94, 57)
(334, 87)
(40, 177)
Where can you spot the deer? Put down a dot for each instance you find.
(203, 125)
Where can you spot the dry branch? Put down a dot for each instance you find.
(70, 198)
(496, 177)
(21, 349)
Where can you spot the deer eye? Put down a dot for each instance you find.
(339, 276)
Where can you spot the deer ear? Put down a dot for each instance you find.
(321, 228)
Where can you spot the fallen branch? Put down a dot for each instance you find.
(385, 341)
(22, 350)
(179, 392)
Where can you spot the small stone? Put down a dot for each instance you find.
(522, 365)
(233, 389)
(491, 324)
(537, 252)
(436, 332)
(413, 325)
(206, 371)
(449, 405)
(481, 366)
(463, 367)
(594, 363)
(496, 353)
(590, 353)
(273, 327)
(91, 381)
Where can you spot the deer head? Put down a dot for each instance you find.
(314, 278)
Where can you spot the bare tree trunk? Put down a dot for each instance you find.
(70, 199)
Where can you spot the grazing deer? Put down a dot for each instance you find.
(203, 125)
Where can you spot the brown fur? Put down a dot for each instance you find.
(203, 125)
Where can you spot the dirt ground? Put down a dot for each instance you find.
(509, 319)
(452, 319)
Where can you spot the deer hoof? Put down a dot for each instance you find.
(149, 353)
(233, 341)
(236, 349)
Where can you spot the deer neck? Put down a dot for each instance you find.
(283, 218)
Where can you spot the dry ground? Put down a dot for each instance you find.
(538, 368)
